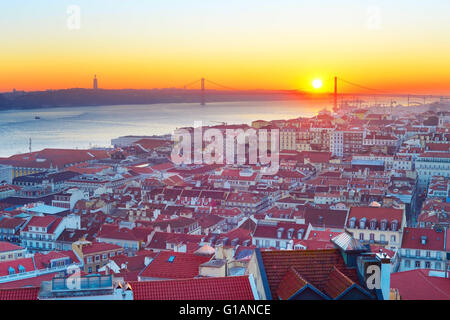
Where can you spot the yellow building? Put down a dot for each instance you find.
(9, 251)
(377, 225)
(258, 124)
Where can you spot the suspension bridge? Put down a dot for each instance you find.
(412, 99)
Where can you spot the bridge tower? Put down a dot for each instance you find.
(335, 108)
(203, 92)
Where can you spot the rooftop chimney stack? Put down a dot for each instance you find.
(385, 281)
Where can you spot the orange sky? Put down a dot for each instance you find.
(245, 46)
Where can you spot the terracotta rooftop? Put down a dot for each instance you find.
(225, 288)
(174, 265)
(412, 239)
(97, 247)
(19, 294)
(7, 246)
(418, 285)
(314, 266)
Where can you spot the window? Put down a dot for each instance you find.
(89, 259)
(90, 270)
(417, 253)
(372, 237)
(105, 256)
(394, 225)
(393, 238)
(428, 254)
(417, 264)
(361, 236)
(97, 258)
(407, 263)
(427, 265)
(437, 266)
(382, 238)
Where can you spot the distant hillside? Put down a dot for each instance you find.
(88, 97)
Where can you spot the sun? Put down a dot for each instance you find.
(317, 84)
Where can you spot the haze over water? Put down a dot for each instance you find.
(84, 127)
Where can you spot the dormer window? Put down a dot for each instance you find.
(352, 222)
(394, 225)
(423, 240)
(373, 224)
(11, 270)
(383, 224)
(280, 232)
(290, 233)
(362, 223)
(300, 234)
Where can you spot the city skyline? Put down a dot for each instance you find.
(247, 45)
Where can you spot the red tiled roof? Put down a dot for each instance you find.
(235, 174)
(182, 266)
(418, 285)
(337, 283)
(109, 231)
(99, 247)
(291, 283)
(42, 261)
(271, 231)
(244, 197)
(149, 143)
(163, 166)
(314, 244)
(378, 213)
(11, 223)
(19, 294)
(412, 239)
(160, 239)
(7, 246)
(174, 180)
(313, 265)
(224, 288)
(44, 222)
(323, 235)
(60, 158)
(29, 282)
(5, 266)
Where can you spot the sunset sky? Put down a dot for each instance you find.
(399, 46)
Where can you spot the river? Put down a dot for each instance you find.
(85, 127)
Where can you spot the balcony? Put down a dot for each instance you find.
(422, 258)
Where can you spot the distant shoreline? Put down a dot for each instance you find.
(97, 98)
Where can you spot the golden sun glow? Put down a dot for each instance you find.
(317, 84)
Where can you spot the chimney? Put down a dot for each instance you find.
(385, 281)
